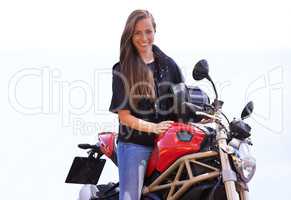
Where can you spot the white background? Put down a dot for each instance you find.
(56, 59)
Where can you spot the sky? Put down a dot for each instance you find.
(56, 59)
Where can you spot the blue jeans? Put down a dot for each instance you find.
(132, 164)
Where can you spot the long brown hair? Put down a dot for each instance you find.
(139, 77)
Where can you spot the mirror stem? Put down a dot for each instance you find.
(216, 95)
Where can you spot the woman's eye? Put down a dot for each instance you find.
(137, 33)
(149, 31)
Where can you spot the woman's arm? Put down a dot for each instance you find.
(141, 125)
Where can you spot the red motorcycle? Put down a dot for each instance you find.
(208, 158)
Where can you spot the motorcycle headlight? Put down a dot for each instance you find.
(248, 168)
(244, 162)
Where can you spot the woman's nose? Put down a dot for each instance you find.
(143, 37)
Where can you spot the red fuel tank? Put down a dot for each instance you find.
(107, 143)
(180, 139)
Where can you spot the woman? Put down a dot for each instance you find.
(141, 78)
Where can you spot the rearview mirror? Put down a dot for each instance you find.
(247, 111)
(200, 70)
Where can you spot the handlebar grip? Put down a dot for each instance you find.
(87, 146)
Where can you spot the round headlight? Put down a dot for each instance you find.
(248, 168)
(244, 162)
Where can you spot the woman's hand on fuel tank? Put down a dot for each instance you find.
(162, 127)
(129, 120)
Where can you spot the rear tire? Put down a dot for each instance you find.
(87, 192)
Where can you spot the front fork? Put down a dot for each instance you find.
(228, 175)
(244, 195)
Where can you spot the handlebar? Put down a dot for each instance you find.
(91, 147)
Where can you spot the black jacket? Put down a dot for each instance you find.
(166, 72)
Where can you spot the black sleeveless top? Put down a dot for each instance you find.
(166, 72)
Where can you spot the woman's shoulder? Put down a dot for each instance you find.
(171, 62)
(167, 62)
(164, 58)
(116, 67)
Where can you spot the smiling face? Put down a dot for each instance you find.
(143, 35)
(137, 38)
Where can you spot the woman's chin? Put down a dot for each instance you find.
(145, 49)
